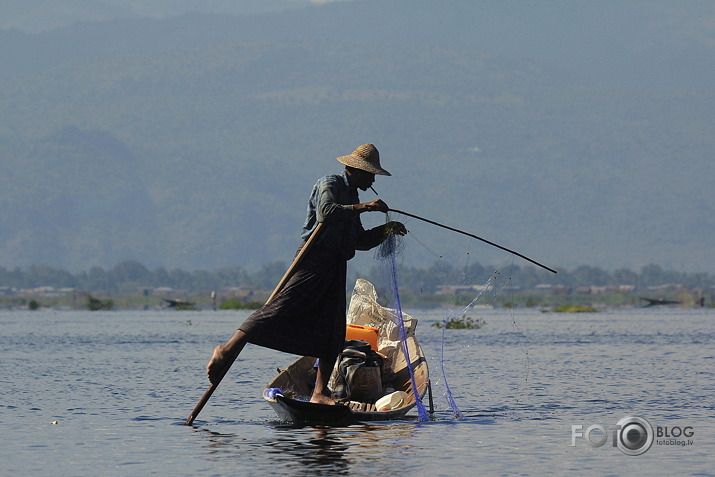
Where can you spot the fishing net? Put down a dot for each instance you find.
(386, 254)
(492, 285)
(391, 247)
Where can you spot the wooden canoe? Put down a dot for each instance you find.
(295, 383)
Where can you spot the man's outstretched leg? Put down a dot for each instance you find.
(225, 355)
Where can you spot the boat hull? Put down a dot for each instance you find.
(297, 411)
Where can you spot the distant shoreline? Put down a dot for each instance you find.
(203, 301)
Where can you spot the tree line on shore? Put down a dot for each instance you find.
(130, 276)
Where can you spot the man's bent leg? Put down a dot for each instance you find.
(321, 393)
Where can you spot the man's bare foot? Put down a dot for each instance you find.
(225, 355)
(217, 365)
(322, 399)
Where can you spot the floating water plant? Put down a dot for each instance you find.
(95, 304)
(575, 309)
(462, 323)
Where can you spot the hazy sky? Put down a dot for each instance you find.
(41, 15)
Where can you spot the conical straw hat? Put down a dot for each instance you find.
(366, 158)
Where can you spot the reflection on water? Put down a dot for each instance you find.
(317, 450)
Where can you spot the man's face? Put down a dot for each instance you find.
(362, 179)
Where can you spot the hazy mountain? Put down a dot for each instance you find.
(573, 132)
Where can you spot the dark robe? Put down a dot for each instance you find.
(307, 317)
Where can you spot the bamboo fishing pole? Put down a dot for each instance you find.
(298, 258)
(474, 236)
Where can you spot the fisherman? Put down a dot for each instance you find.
(307, 316)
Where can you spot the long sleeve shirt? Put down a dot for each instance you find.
(332, 203)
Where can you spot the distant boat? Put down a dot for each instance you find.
(660, 301)
(179, 304)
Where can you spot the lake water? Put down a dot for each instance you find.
(105, 393)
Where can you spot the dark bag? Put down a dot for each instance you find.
(359, 373)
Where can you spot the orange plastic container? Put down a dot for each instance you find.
(365, 333)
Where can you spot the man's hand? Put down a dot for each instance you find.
(377, 205)
(395, 228)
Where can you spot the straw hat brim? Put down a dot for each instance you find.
(358, 162)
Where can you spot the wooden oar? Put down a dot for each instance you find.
(298, 258)
(474, 236)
